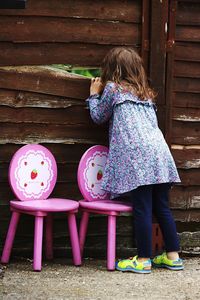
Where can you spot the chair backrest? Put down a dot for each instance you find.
(32, 173)
(90, 173)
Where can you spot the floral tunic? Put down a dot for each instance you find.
(138, 152)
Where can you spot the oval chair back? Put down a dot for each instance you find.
(32, 173)
(90, 173)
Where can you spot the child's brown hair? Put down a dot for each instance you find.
(124, 67)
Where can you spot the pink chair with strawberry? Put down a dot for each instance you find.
(32, 177)
(97, 201)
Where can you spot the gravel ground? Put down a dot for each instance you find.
(60, 280)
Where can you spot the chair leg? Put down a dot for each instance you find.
(74, 239)
(10, 237)
(49, 236)
(111, 243)
(83, 230)
(37, 256)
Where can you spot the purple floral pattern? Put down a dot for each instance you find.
(138, 152)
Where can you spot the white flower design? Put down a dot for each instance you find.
(93, 174)
(33, 174)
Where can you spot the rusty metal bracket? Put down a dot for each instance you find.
(170, 45)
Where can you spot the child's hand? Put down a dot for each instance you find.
(96, 86)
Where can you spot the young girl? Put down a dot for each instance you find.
(139, 160)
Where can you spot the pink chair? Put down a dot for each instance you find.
(90, 172)
(32, 176)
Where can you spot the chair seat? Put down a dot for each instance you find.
(106, 205)
(49, 205)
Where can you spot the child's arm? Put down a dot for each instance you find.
(101, 107)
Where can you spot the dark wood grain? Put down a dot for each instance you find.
(74, 115)
(187, 51)
(190, 177)
(40, 29)
(76, 54)
(188, 13)
(24, 99)
(186, 115)
(127, 11)
(186, 99)
(187, 33)
(187, 69)
(49, 133)
(186, 85)
(186, 157)
(185, 133)
(184, 198)
(45, 80)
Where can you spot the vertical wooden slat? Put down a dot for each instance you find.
(145, 34)
(159, 18)
(170, 47)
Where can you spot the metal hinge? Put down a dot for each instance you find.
(170, 45)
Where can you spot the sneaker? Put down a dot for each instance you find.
(133, 265)
(161, 261)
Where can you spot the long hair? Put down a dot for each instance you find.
(124, 67)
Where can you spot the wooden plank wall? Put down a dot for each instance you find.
(41, 104)
(185, 109)
(68, 32)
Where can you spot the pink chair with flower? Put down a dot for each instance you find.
(90, 172)
(32, 177)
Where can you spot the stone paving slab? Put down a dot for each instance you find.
(61, 280)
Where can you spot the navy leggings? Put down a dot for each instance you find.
(154, 199)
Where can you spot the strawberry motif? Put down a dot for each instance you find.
(99, 175)
(34, 174)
